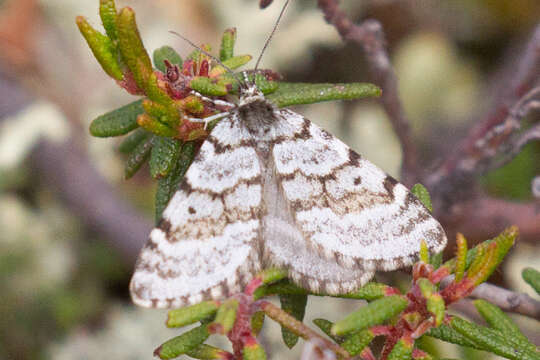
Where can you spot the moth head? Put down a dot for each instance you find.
(249, 94)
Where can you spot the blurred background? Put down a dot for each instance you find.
(71, 227)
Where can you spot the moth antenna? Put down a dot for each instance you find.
(229, 70)
(271, 34)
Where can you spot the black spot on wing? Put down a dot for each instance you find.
(165, 225)
(304, 134)
(389, 183)
(354, 157)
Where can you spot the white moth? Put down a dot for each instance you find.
(270, 188)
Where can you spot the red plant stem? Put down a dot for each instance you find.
(252, 286)
(366, 354)
(298, 327)
(417, 353)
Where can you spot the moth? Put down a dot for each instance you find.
(268, 188)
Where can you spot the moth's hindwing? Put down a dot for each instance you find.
(206, 246)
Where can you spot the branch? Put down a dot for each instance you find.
(507, 300)
(488, 137)
(299, 328)
(64, 167)
(67, 170)
(514, 146)
(484, 217)
(369, 35)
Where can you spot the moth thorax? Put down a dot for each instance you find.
(258, 116)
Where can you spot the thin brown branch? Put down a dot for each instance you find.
(66, 169)
(536, 187)
(488, 137)
(501, 139)
(370, 36)
(480, 218)
(299, 328)
(507, 300)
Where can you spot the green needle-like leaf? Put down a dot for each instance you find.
(225, 317)
(402, 350)
(498, 320)
(436, 259)
(371, 291)
(132, 140)
(504, 241)
(155, 93)
(424, 252)
(156, 126)
(461, 256)
(191, 314)
(166, 113)
(281, 287)
(326, 327)
(102, 48)
(227, 44)
(197, 56)
(296, 306)
(166, 53)
(165, 153)
(436, 305)
(107, 12)
(257, 322)
(182, 344)
(532, 277)
(237, 61)
(353, 343)
(168, 185)
(253, 351)
(207, 87)
(265, 86)
(272, 275)
(492, 341)
(139, 155)
(301, 93)
(357, 341)
(208, 352)
(374, 313)
(117, 122)
(132, 48)
(422, 194)
(450, 335)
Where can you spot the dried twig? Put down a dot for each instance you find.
(66, 169)
(299, 328)
(370, 36)
(514, 146)
(484, 217)
(476, 153)
(507, 300)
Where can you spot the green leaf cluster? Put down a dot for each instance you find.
(501, 337)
